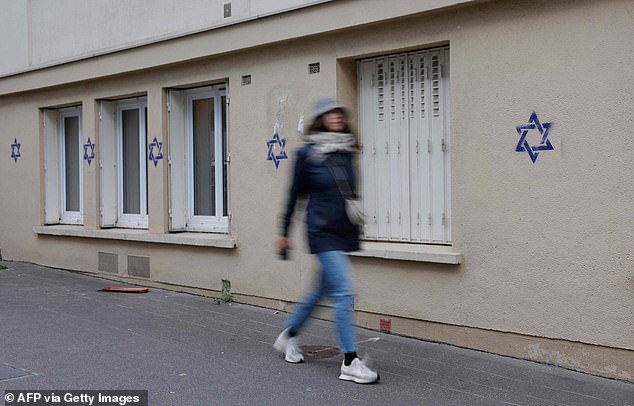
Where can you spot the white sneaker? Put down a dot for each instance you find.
(288, 346)
(358, 372)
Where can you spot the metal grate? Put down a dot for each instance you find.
(314, 68)
(139, 266)
(108, 262)
(227, 10)
(422, 86)
(402, 77)
(246, 80)
(393, 82)
(381, 90)
(435, 83)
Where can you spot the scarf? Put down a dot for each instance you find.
(327, 143)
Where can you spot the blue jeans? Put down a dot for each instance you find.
(335, 281)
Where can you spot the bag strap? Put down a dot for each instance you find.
(340, 177)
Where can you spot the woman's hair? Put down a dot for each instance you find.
(318, 125)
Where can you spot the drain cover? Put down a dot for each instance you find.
(319, 351)
(8, 373)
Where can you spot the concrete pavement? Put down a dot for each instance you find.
(59, 331)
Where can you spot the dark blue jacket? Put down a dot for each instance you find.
(327, 224)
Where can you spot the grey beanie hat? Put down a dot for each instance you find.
(324, 104)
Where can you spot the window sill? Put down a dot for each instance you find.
(126, 234)
(440, 254)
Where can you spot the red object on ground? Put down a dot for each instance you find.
(125, 289)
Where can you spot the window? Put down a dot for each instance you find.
(198, 159)
(63, 166)
(404, 129)
(123, 162)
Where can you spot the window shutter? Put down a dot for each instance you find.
(371, 106)
(416, 103)
(108, 164)
(404, 125)
(381, 149)
(384, 123)
(421, 147)
(177, 115)
(398, 217)
(51, 167)
(445, 91)
(439, 152)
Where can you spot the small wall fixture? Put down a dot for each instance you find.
(227, 8)
(313, 68)
(246, 80)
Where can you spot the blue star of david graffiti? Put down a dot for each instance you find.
(544, 144)
(89, 156)
(15, 150)
(276, 141)
(155, 158)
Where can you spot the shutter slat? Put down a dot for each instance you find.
(108, 164)
(52, 184)
(437, 168)
(177, 137)
(369, 89)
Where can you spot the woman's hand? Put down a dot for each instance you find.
(282, 243)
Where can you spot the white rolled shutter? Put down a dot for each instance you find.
(440, 147)
(177, 116)
(367, 127)
(398, 213)
(108, 164)
(403, 120)
(51, 167)
(420, 147)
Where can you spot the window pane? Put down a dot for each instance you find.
(225, 167)
(72, 167)
(131, 175)
(204, 157)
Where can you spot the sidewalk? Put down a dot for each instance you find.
(58, 331)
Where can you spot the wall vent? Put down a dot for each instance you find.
(108, 262)
(313, 68)
(227, 8)
(138, 266)
(246, 80)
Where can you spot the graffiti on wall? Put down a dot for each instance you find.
(89, 156)
(159, 151)
(15, 150)
(276, 147)
(534, 127)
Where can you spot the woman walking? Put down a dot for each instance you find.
(324, 172)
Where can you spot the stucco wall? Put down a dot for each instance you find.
(49, 32)
(546, 246)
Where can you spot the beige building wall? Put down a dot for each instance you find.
(546, 268)
(50, 32)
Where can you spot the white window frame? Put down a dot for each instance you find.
(70, 217)
(55, 165)
(181, 158)
(110, 163)
(404, 130)
(127, 220)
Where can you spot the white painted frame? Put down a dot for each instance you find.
(70, 217)
(127, 220)
(218, 222)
